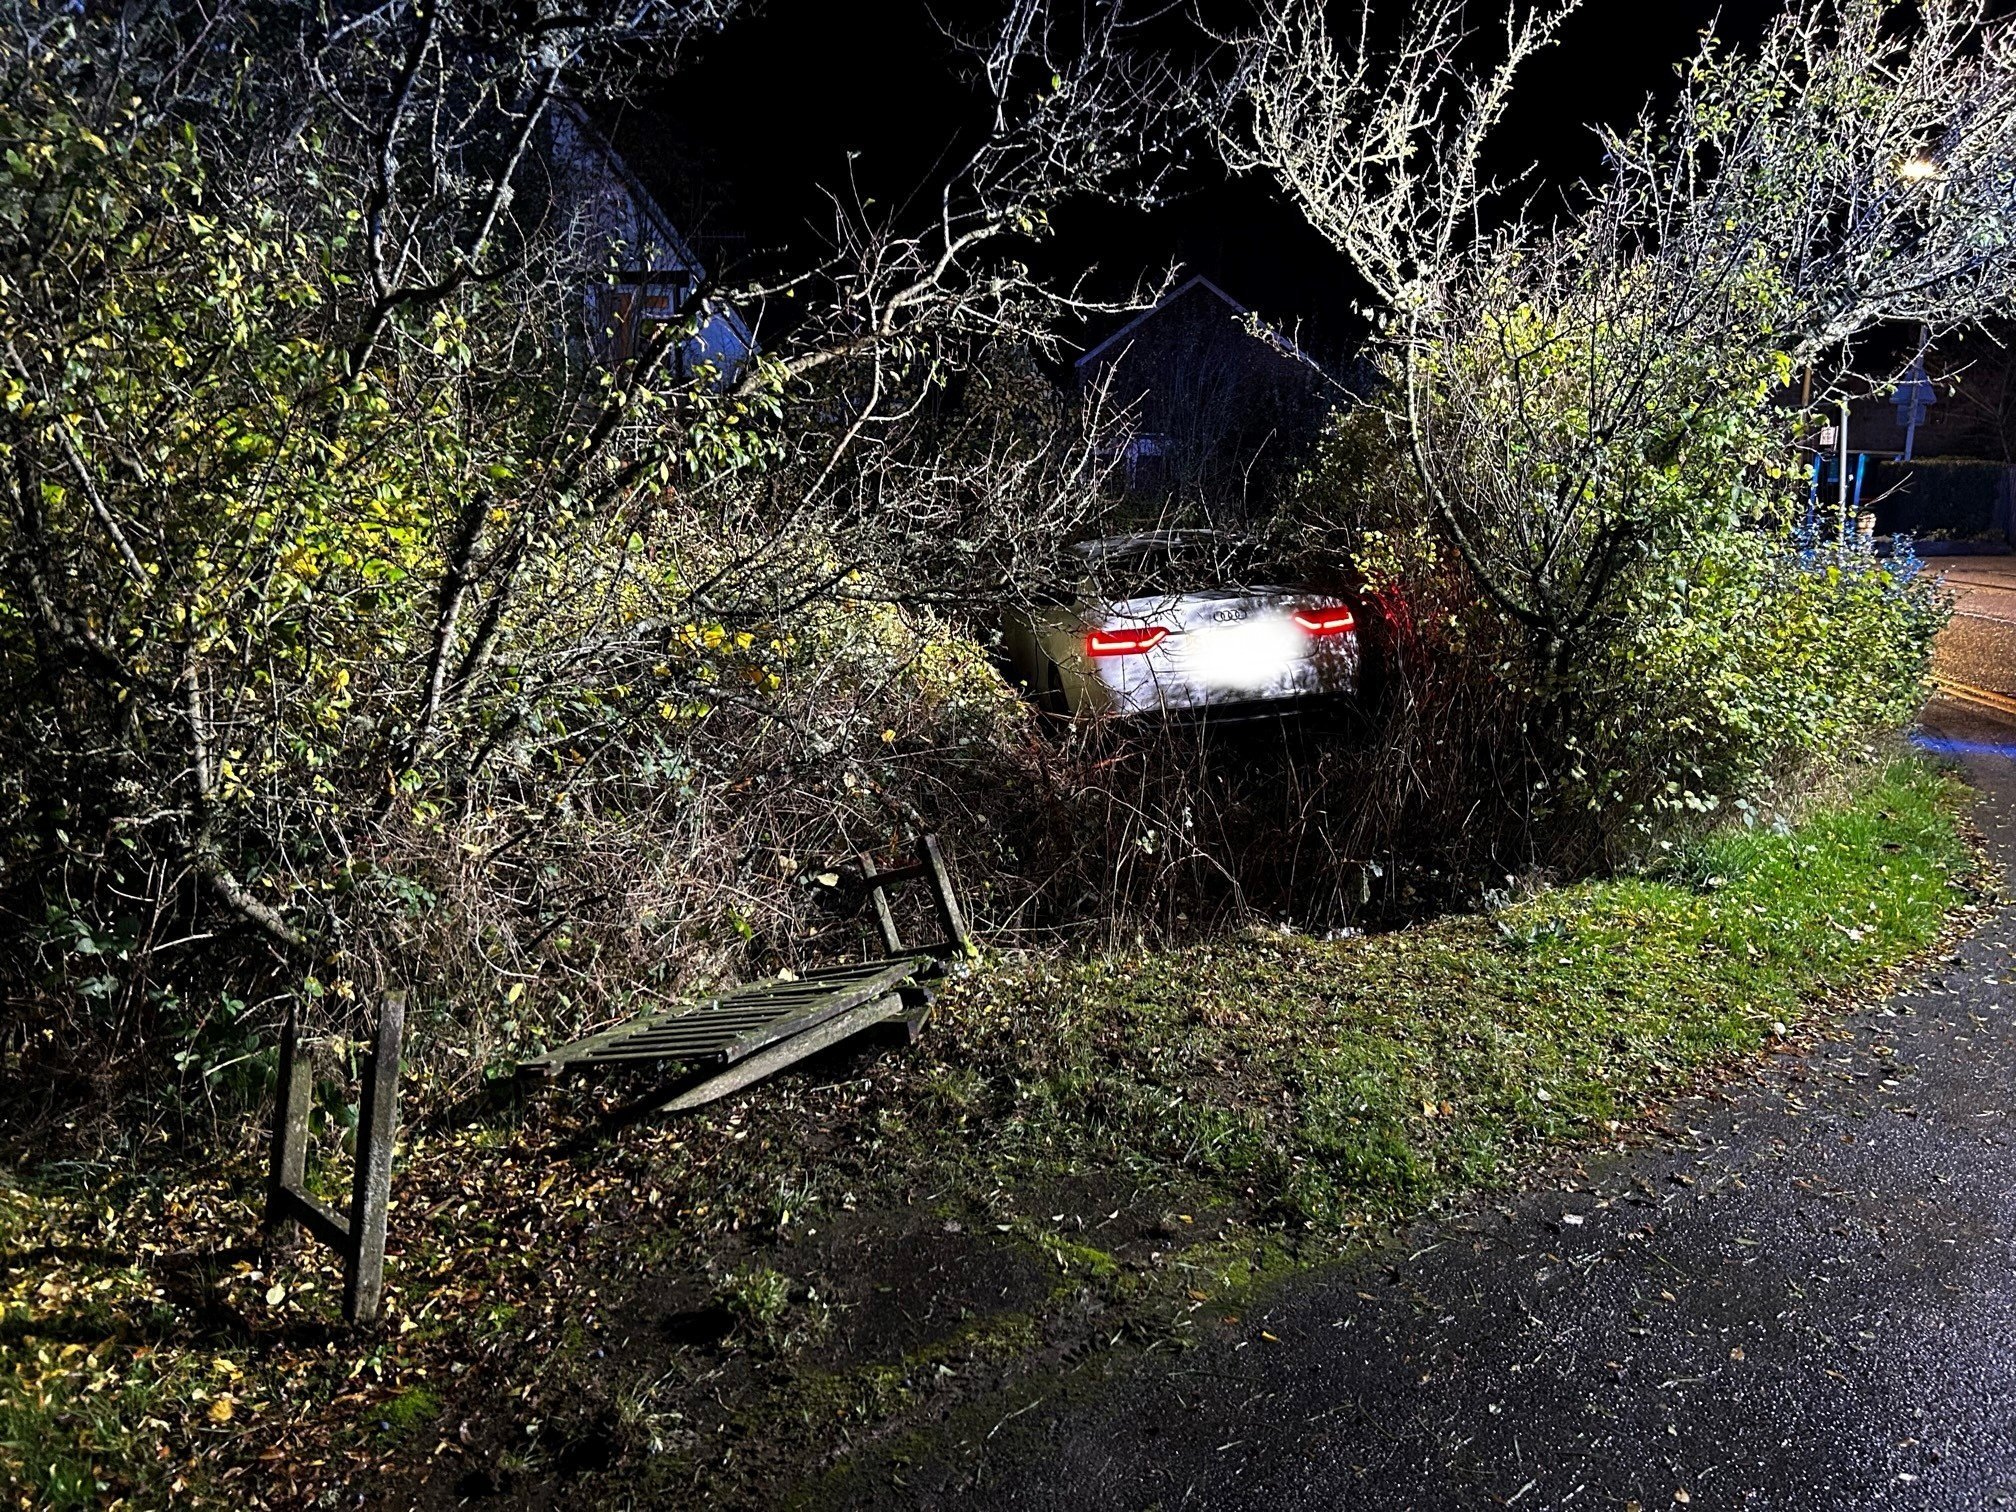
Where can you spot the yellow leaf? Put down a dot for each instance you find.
(220, 1410)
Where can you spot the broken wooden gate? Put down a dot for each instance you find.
(727, 1043)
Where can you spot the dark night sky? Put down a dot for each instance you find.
(747, 141)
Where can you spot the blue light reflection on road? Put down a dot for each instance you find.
(1942, 746)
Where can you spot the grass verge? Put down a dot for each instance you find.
(1330, 1082)
(1082, 1153)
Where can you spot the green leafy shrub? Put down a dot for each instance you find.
(1743, 662)
(1721, 656)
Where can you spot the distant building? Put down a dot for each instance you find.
(1956, 418)
(612, 218)
(1965, 401)
(1219, 404)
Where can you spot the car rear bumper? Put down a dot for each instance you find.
(1248, 711)
(1143, 689)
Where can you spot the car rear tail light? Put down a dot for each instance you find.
(1125, 642)
(1326, 621)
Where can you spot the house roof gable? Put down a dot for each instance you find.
(1261, 332)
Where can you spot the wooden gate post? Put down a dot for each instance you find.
(371, 1181)
(290, 1133)
(358, 1237)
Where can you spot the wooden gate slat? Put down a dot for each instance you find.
(727, 1029)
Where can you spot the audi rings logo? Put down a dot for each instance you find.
(1227, 616)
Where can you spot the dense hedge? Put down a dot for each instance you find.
(1954, 498)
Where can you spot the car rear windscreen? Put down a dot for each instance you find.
(1182, 566)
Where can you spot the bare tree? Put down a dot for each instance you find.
(1580, 389)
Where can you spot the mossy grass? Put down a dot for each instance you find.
(411, 1412)
(1327, 1082)
(1254, 1103)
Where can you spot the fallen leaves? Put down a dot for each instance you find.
(500, 1239)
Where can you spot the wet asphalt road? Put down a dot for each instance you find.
(1805, 1298)
(1978, 647)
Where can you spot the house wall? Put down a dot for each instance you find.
(1218, 411)
(608, 218)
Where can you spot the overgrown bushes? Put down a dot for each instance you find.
(367, 620)
(1729, 660)
(1744, 662)
(1955, 499)
(1586, 403)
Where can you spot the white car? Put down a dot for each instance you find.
(1168, 622)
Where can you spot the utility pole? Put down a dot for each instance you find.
(1841, 506)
